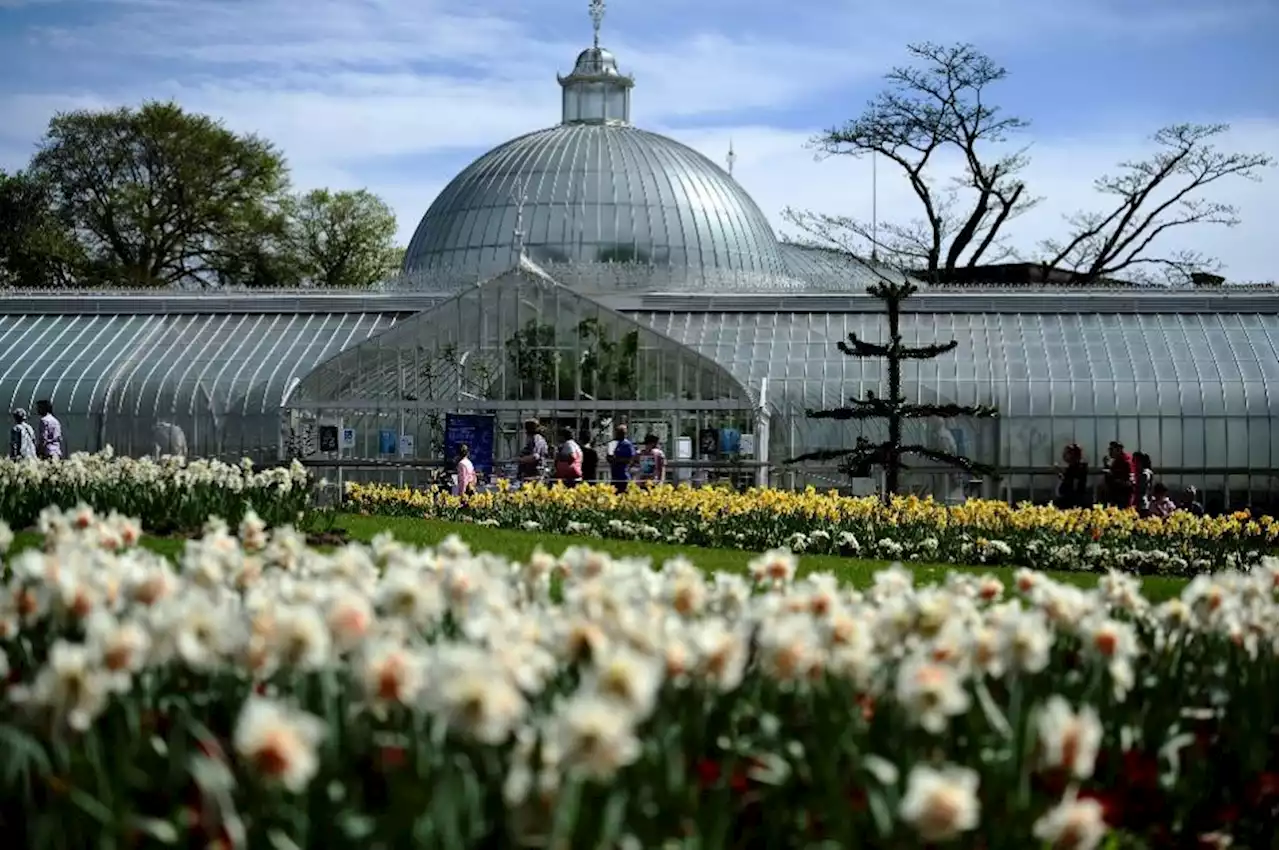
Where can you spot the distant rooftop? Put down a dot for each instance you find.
(1049, 278)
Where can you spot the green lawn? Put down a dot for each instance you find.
(518, 545)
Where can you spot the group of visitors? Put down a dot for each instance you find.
(575, 460)
(43, 440)
(1128, 482)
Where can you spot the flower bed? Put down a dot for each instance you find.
(269, 695)
(171, 494)
(977, 532)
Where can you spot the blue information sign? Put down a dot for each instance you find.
(387, 442)
(476, 430)
(730, 441)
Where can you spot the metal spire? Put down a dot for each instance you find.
(875, 200)
(596, 10)
(519, 195)
(731, 158)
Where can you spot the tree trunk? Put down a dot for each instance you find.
(893, 458)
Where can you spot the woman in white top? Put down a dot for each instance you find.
(22, 437)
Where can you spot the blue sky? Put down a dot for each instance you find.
(398, 95)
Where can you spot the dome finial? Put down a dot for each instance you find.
(731, 158)
(596, 92)
(596, 9)
(519, 195)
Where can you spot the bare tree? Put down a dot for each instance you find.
(1156, 195)
(931, 108)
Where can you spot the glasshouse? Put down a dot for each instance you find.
(594, 274)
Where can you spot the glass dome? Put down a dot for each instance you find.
(593, 193)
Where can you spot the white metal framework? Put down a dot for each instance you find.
(518, 346)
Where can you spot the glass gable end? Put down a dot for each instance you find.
(518, 346)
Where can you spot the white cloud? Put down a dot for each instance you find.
(370, 92)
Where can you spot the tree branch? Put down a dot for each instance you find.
(1155, 195)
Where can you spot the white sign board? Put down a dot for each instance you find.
(348, 438)
(684, 451)
(406, 445)
(747, 445)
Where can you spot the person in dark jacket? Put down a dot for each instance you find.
(590, 459)
(1119, 477)
(1073, 484)
(1192, 502)
(529, 464)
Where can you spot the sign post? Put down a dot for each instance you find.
(476, 432)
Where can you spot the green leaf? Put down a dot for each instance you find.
(280, 841)
(614, 818)
(566, 813)
(25, 755)
(880, 812)
(90, 806)
(161, 830)
(356, 826)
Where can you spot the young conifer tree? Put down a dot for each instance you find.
(894, 409)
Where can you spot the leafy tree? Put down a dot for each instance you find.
(609, 367)
(397, 258)
(344, 239)
(938, 105)
(159, 196)
(605, 367)
(37, 249)
(1153, 197)
(262, 254)
(531, 352)
(893, 408)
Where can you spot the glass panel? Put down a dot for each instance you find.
(522, 346)
(1193, 448)
(1215, 436)
(1104, 394)
(1233, 395)
(1260, 442)
(1238, 442)
(1127, 431)
(1171, 454)
(1149, 441)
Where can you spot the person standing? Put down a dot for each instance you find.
(1143, 479)
(464, 473)
(529, 466)
(590, 459)
(1192, 502)
(622, 454)
(22, 437)
(1073, 488)
(652, 466)
(568, 459)
(1119, 477)
(50, 444)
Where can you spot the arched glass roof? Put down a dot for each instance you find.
(111, 378)
(1196, 390)
(520, 341)
(594, 193)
